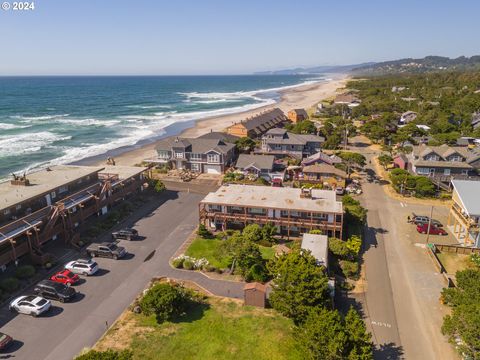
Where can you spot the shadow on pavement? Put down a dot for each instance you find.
(101, 272)
(388, 351)
(53, 311)
(14, 346)
(78, 297)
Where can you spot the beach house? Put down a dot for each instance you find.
(297, 115)
(325, 174)
(53, 203)
(293, 211)
(259, 165)
(281, 143)
(257, 125)
(204, 155)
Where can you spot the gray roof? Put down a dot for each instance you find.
(443, 164)
(195, 145)
(322, 157)
(219, 136)
(263, 118)
(294, 139)
(276, 131)
(318, 245)
(42, 182)
(469, 194)
(443, 150)
(275, 197)
(324, 168)
(259, 162)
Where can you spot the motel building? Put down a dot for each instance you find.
(52, 204)
(292, 211)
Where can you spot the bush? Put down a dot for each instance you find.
(257, 273)
(106, 355)
(9, 284)
(210, 268)
(349, 268)
(188, 264)
(178, 263)
(315, 231)
(166, 301)
(265, 242)
(339, 248)
(354, 244)
(204, 232)
(25, 272)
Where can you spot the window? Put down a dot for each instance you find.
(195, 156)
(53, 195)
(424, 171)
(178, 155)
(213, 158)
(195, 167)
(62, 189)
(259, 211)
(456, 158)
(215, 208)
(464, 172)
(446, 171)
(163, 155)
(6, 211)
(18, 207)
(431, 158)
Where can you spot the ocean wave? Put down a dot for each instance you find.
(28, 119)
(13, 145)
(87, 122)
(6, 126)
(149, 106)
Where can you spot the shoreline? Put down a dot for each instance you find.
(304, 96)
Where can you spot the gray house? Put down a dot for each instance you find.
(260, 165)
(204, 155)
(281, 143)
(443, 161)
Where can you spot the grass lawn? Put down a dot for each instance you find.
(453, 262)
(221, 330)
(207, 248)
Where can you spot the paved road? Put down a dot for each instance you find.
(68, 328)
(401, 298)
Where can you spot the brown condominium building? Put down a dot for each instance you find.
(53, 204)
(297, 115)
(292, 211)
(259, 124)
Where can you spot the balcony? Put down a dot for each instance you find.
(467, 221)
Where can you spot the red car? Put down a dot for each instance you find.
(434, 230)
(65, 277)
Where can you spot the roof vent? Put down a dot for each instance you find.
(306, 193)
(20, 180)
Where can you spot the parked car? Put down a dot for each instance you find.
(82, 267)
(5, 340)
(30, 305)
(54, 290)
(109, 250)
(125, 234)
(277, 182)
(340, 190)
(420, 220)
(65, 277)
(434, 230)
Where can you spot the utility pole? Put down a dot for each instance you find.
(429, 223)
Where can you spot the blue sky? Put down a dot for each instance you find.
(226, 36)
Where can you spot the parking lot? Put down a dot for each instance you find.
(66, 328)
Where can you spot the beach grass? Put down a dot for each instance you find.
(220, 329)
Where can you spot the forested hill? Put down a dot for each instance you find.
(427, 64)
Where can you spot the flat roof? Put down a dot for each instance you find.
(318, 245)
(469, 193)
(123, 172)
(42, 182)
(275, 197)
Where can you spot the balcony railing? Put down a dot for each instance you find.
(465, 218)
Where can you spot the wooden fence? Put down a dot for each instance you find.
(457, 249)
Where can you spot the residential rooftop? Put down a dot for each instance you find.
(469, 194)
(257, 161)
(123, 172)
(318, 245)
(275, 197)
(42, 182)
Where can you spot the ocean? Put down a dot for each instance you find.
(56, 120)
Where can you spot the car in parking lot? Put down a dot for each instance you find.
(30, 305)
(420, 220)
(105, 249)
(5, 340)
(434, 230)
(65, 277)
(82, 267)
(125, 234)
(54, 290)
(340, 190)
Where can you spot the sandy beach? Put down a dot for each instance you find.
(299, 97)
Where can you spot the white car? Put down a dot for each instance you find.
(30, 305)
(82, 266)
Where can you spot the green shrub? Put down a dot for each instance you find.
(188, 264)
(257, 273)
(354, 244)
(9, 284)
(315, 231)
(265, 242)
(25, 272)
(210, 268)
(166, 301)
(106, 355)
(204, 232)
(475, 258)
(178, 263)
(339, 248)
(349, 268)
(159, 186)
